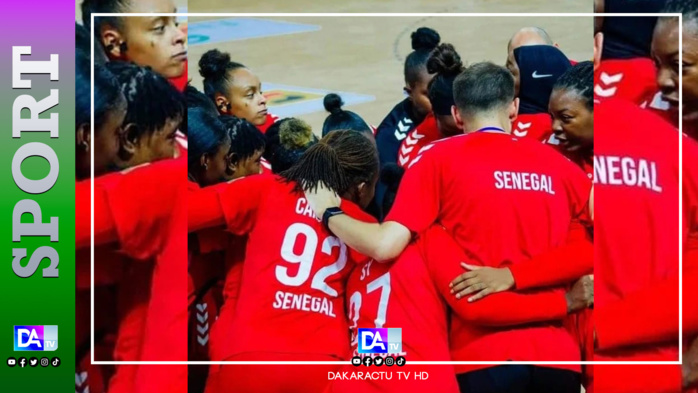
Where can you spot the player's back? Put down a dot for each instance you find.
(400, 294)
(505, 198)
(636, 174)
(292, 293)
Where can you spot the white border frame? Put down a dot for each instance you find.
(384, 15)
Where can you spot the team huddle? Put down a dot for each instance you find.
(466, 218)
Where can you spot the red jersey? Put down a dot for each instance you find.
(422, 135)
(165, 332)
(129, 206)
(271, 119)
(400, 294)
(620, 325)
(142, 210)
(630, 79)
(636, 180)
(180, 82)
(206, 269)
(265, 166)
(659, 322)
(234, 261)
(538, 126)
(164, 329)
(501, 209)
(292, 294)
(655, 103)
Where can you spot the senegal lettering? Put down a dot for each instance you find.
(626, 171)
(505, 180)
(286, 300)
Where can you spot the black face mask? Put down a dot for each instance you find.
(539, 68)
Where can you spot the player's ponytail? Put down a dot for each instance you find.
(214, 66)
(341, 160)
(446, 63)
(424, 40)
(339, 119)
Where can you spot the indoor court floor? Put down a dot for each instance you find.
(359, 57)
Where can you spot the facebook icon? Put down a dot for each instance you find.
(380, 340)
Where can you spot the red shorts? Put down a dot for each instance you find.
(271, 378)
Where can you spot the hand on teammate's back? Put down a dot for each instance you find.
(481, 281)
(581, 295)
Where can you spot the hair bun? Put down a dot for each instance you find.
(213, 64)
(333, 103)
(425, 38)
(295, 133)
(444, 60)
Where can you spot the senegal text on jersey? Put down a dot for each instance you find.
(523, 181)
(304, 302)
(626, 171)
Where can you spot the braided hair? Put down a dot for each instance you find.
(341, 160)
(579, 79)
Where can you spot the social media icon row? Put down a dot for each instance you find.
(378, 361)
(33, 362)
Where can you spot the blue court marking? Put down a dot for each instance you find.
(305, 106)
(235, 29)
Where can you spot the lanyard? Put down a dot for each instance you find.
(491, 129)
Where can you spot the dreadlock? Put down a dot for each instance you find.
(341, 160)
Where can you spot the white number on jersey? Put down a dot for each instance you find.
(306, 257)
(382, 283)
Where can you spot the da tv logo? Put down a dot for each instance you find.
(380, 340)
(36, 338)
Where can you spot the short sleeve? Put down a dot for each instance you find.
(418, 198)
